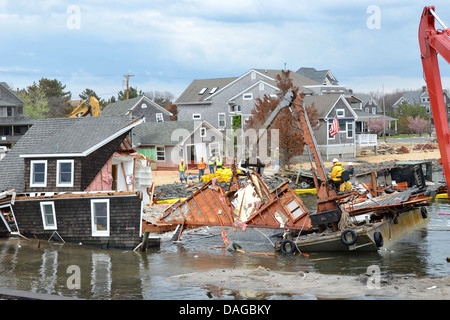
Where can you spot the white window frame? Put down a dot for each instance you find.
(247, 96)
(202, 132)
(58, 182)
(160, 115)
(95, 232)
(39, 184)
(374, 110)
(44, 221)
(224, 120)
(367, 110)
(261, 86)
(338, 111)
(213, 90)
(156, 153)
(197, 116)
(143, 106)
(203, 90)
(328, 132)
(352, 130)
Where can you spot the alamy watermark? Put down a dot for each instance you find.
(73, 21)
(74, 280)
(374, 280)
(374, 20)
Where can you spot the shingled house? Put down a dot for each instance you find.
(218, 100)
(141, 106)
(169, 142)
(62, 171)
(330, 106)
(13, 123)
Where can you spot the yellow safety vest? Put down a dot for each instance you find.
(181, 167)
(219, 163)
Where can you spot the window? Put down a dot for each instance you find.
(213, 90)
(329, 135)
(261, 86)
(100, 217)
(366, 110)
(196, 116)
(9, 111)
(38, 173)
(342, 126)
(202, 91)
(159, 117)
(235, 108)
(143, 106)
(19, 110)
(374, 110)
(247, 96)
(161, 153)
(222, 121)
(48, 215)
(64, 173)
(202, 132)
(349, 129)
(340, 113)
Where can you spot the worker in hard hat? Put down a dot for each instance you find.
(201, 168)
(350, 168)
(182, 171)
(336, 173)
(219, 163)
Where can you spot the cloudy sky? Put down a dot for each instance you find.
(166, 44)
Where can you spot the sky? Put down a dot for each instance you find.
(368, 45)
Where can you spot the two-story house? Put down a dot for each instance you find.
(78, 177)
(218, 100)
(13, 123)
(421, 98)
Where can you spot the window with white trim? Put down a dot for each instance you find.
(247, 96)
(221, 120)
(213, 90)
(202, 132)
(64, 173)
(100, 217)
(143, 106)
(202, 91)
(161, 153)
(48, 215)
(374, 110)
(340, 113)
(38, 173)
(196, 116)
(159, 117)
(349, 129)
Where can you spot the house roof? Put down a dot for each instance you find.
(59, 137)
(160, 133)
(317, 75)
(323, 103)
(191, 94)
(14, 101)
(364, 116)
(121, 108)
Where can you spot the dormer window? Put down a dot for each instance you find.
(202, 91)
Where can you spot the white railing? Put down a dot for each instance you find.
(366, 139)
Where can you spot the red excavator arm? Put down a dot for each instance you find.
(431, 43)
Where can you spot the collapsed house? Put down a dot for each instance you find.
(79, 179)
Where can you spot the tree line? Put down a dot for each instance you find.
(49, 98)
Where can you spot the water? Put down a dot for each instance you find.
(119, 274)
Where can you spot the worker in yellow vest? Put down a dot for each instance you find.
(219, 163)
(182, 171)
(201, 169)
(211, 163)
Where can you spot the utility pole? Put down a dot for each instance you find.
(384, 114)
(128, 84)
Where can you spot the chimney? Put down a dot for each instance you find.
(424, 88)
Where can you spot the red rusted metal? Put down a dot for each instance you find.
(211, 205)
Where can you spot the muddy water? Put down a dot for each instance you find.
(87, 272)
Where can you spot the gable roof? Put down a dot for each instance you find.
(191, 94)
(60, 137)
(13, 99)
(160, 133)
(325, 102)
(121, 108)
(317, 75)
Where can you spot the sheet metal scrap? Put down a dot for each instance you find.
(249, 204)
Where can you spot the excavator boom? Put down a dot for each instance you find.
(89, 106)
(431, 43)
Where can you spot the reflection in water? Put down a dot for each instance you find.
(117, 274)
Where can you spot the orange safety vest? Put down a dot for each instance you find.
(202, 165)
(181, 167)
